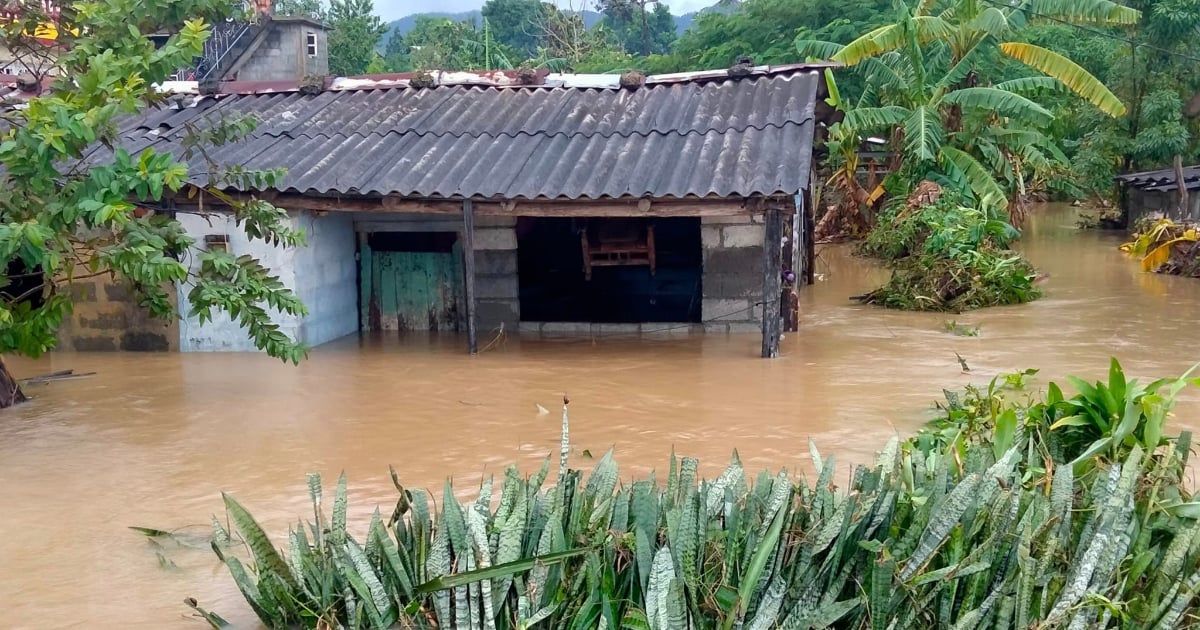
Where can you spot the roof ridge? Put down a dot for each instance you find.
(525, 134)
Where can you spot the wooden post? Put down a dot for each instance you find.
(810, 244)
(772, 283)
(468, 251)
(1184, 205)
(799, 256)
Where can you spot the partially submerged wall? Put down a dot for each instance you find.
(733, 273)
(497, 290)
(1140, 204)
(322, 274)
(107, 318)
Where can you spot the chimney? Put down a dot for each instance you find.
(263, 8)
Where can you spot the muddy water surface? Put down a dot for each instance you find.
(153, 439)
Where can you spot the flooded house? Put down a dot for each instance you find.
(1156, 194)
(481, 202)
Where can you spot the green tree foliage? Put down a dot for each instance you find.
(356, 33)
(306, 8)
(765, 29)
(516, 23)
(74, 209)
(437, 43)
(638, 29)
(396, 54)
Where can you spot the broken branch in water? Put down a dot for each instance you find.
(61, 375)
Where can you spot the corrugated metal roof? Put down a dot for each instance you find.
(725, 138)
(1163, 179)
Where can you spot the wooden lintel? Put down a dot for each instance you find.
(615, 208)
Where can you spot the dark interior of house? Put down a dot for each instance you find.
(641, 270)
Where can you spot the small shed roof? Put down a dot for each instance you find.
(1161, 180)
(710, 136)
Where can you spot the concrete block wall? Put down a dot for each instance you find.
(733, 273)
(323, 274)
(326, 277)
(1158, 204)
(223, 334)
(283, 55)
(107, 318)
(497, 290)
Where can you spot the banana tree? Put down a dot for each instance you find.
(965, 136)
(970, 28)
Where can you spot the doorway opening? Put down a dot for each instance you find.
(411, 281)
(636, 271)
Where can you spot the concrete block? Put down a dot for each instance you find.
(495, 221)
(491, 314)
(743, 235)
(495, 238)
(112, 320)
(94, 344)
(504, 286)
(134, 341)
(725, 310)
(710, 236)
(742, 328)
(116, 292)
(726, 220)
(83, 292)
(670, 329)
(620, 329)
(748, 260)
(732, 285)
(496, 262)
(529, 327)
(566, 328)
(715, 328)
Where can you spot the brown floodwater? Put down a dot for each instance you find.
(153, 439)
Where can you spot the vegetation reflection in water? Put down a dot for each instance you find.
(1053, 511)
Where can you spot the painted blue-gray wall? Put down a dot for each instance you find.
(322, 273)
(326, 278)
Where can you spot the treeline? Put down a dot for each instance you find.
(1149, 64)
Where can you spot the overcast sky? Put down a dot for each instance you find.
(396, 9)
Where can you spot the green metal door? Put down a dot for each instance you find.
(411, 290)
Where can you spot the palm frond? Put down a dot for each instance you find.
(964, 66)
(817, 49)
(981, 182)
(1070, 73)
(872, 118)
(1086, 11)
(1030, 86)
(924, 134)
(992, 21)
(999, 101)
(893, 37)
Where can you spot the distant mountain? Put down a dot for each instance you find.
(590, 18)
(406, 23)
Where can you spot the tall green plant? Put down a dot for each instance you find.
(970, 528)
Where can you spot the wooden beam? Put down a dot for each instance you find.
(509, 208)
(468, 250)
(772, 283)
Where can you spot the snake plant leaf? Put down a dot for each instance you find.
(337, 525)
(658, 591)
(499, 570)
(266, 557)
(938, 528)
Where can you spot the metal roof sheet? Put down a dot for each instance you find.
(1163, 179)
(726, 138)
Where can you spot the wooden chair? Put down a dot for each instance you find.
(617, 243)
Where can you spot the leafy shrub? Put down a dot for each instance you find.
(972, 523)
(948, 257)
